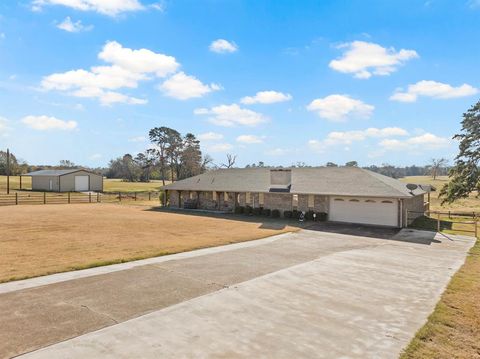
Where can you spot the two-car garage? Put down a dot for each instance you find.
(376, 211)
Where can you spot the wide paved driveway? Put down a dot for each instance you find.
(313, 294)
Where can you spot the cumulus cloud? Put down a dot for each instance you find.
(433, 89)
(364, 59)
(250, 139)
(210, 136)
(105, 7)
(71, 26)
(266, 97)
(127, 67)
(183, 87)
(222, 46)
(45, 123)
(231, 115)
(219, 147)
(426, 141)
(340, 108)
(349, 137)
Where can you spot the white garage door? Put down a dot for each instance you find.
(364, 210)
(81, 183)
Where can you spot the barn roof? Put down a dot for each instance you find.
(346, 181)
(54, 172)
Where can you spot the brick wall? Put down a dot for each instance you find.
(173, 199)
(415, 204)
(303, 202)
(278, 201)
(320, 204)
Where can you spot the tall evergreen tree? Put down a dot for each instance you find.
(465, 174)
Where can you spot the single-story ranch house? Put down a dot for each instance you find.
(346, 194)
(78, 180)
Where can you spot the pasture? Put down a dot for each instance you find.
(40, 240)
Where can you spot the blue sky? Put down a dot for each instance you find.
(273, 81)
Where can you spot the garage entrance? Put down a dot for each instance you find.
(379, 211)
(81, 183)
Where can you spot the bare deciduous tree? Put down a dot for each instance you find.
(435, 165)
(230, 161)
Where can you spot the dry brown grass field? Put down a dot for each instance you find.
(45, 239)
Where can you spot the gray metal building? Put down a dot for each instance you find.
(71, 180)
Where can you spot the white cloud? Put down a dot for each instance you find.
(348, 137)
(128, 67)
(340, 108)
(105, 7)
(45, 123)
(183, 87)
(222, 46)
(231, 115)
(427, 141)
(137, 139)
(210, 136)
(70, 26)
(96, 156)
(219, 147)
(437, 90)
(364, 59)
(160, 6)
(250, 139)
(266, 97)
(278, 152)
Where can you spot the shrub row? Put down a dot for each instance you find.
(275, 213)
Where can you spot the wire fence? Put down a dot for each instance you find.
(27, 197)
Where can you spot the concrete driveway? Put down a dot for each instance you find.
(312, 294)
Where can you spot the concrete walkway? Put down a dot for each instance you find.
(307, 295)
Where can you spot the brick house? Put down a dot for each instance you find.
(346, 194)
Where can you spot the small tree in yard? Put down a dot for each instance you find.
(465, 174)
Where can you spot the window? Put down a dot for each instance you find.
(214, 196)
(295, 200)
(248, 198)
(190, 195)
(225, 196)
(261, 199)
(311, 201)
(387, 202)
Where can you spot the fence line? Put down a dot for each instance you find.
(19, 198)
(437, 217)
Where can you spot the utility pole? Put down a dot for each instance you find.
(8, 171)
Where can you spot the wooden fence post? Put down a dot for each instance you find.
(476, 227)
(149, 196)
(16, 198)
(438, 222)
(44, 197)
(89, 197)
(135, 195)
(120, 196)
(68, 197)
(98, 197)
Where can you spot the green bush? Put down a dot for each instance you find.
(322, 216)
(248, 210)
(239, 209)
(296, 214)
(267, 212)
(257, 211)
(275, 213)
(287, 214)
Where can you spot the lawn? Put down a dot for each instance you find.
(40, 240)
(110, 185)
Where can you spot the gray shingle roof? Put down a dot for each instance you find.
(346, 181)
(53, 172)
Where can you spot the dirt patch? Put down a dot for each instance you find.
(40, 240)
